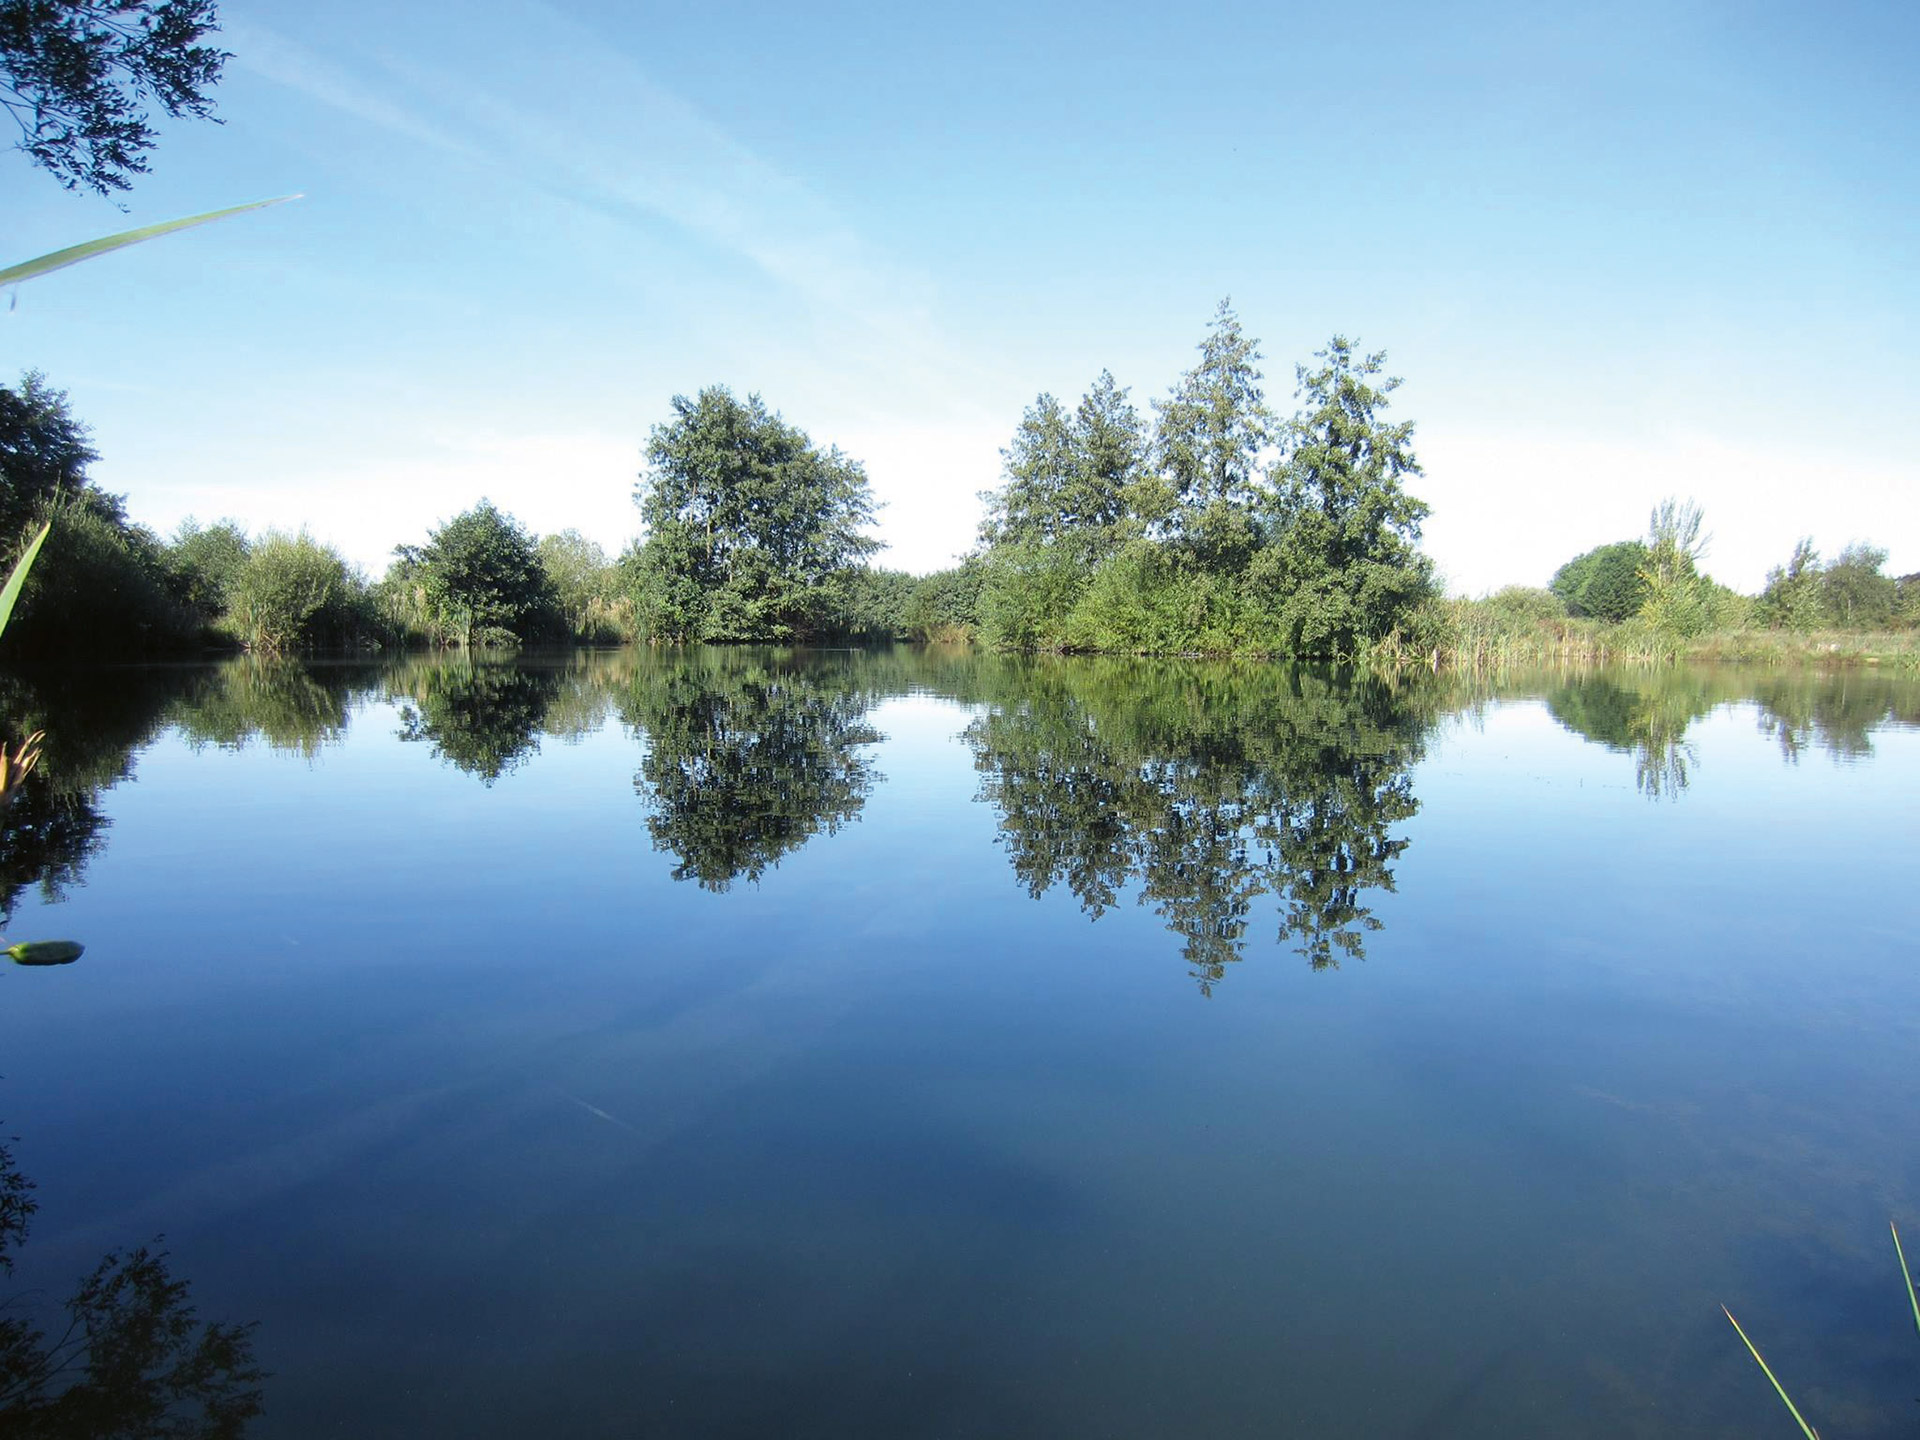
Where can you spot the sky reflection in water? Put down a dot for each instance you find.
(742, 1042)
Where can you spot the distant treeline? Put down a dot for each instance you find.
(1214, 526)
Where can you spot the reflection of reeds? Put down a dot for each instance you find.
(1913, 1301)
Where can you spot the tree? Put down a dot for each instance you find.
(204, 564)
(44, 450)
(1605, 583)
(1111, 443)
(1792, 598)
(1037, 469)
(1068, 477)
(748, 524)
(74, 75)
(1855, 592)
(483, 579)
(1344, 567)
(1679, 598)
(586, 585)
(1213, 431)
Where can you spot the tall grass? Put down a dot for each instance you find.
(1516, 628)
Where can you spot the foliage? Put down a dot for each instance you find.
(293, 594)
(1856, 595)
(1027, 591)
(1206, 552)
(1213, 432)
(1067, 478)
(74, 75)
(99, 588)
(1848, 592)
(1679, 600)
(748, 524)
(945, 606)
(203, 565)
(587, 587)
(1345, 569)
(871, 603)
(44, 450)
(107, 244)
(1605, 583)
(483, 581)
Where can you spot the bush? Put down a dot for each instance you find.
(99, 588)
(1608, 583)
(296, 594)
(202, 565)
(945, 605)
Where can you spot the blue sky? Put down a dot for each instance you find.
(1617, 252)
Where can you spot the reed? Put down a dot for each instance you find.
(1913, 1301)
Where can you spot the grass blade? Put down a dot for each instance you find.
(11, 594)
(1906, 1274)
(74, 254)
(1780, 1390)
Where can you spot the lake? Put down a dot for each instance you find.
(923, 1044)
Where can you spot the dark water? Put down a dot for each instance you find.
(749, 1044)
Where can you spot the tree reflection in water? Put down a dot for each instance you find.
(128, 1358)
(749, 756)
(483, 717)
(1210, 787)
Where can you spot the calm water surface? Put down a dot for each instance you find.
(755, 1044)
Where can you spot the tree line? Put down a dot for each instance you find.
(1210, 525)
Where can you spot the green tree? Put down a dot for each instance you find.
(1067, 478)
(1855, 593)
(203, 565)
(483, 580)
(1344, 568)
(1605, 583)
(1110, 442)
(945, 606)
(44, 450)
(748, 524)
(587, 586)
(1208, 446)
(1679, 599)
(75, 74)
(1792, 598)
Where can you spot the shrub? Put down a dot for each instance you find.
(295, 594)
(98, 588)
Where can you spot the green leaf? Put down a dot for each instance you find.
(1913, 1299)
(74, 254)
(11, 594)
(1780, 1390)
(46, 952)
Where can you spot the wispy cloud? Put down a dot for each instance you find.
(602, 133)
